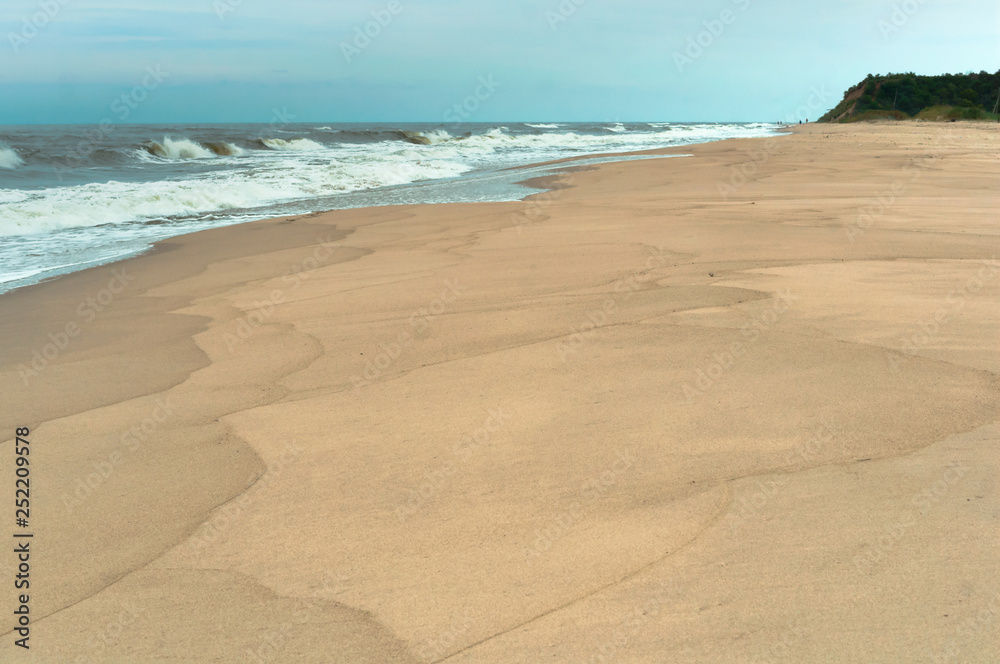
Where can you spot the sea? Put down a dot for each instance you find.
(72, 197)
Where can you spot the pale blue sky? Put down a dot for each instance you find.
(608, 60)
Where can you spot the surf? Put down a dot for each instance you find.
(179, 149)
(9, 159)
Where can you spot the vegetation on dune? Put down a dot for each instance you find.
(873, 114)
(903, 96)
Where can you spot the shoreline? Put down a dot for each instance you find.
(615, 291)
(470, 178)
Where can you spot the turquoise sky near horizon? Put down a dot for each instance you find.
(68, 61)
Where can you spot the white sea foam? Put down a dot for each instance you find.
(498, 142)
(119, 202)
(23, 274)
(294, 145)
(12, 196)
(542, 126)
(9, 158)
(7, 277)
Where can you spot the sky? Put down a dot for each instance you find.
(203, 61)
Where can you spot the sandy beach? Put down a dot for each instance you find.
(739, 406)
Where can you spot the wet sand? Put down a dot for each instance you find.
(735, 407)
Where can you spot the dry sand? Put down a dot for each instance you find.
(641, 418)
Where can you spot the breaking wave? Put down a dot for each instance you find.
(182, 149)
(435, 137)
(225, 149)
(9, 158)
(477, 143)
(210, 173)
(294, 145)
